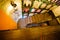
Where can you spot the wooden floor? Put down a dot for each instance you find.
(35, 33)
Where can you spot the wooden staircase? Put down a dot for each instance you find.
(37, 18)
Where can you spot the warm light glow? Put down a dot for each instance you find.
(56, 11)
(9, 9)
